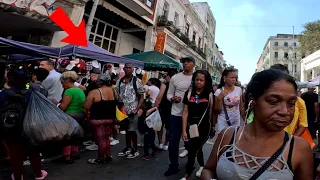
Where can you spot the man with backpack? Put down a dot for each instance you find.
(13, 105)
(130, 89)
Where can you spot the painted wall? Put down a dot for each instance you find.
(127, 43)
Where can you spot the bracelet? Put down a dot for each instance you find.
(58, 104)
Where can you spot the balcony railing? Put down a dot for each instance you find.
(164, 22)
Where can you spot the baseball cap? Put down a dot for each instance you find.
(95, 70)
(187, 58)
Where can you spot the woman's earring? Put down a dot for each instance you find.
(250, 117)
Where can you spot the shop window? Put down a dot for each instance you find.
(134, 51)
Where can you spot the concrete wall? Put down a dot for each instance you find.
(127, 42)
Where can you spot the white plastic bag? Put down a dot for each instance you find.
(154, 121)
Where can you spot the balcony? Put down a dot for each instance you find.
(141, 7)
(276, 47)
(164, 22)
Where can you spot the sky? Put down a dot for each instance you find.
(243, 27)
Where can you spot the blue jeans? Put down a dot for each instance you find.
(175, 130)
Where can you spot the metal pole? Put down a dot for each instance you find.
(91, 17)
(295, 61)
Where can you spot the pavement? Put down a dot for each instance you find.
(120, 168)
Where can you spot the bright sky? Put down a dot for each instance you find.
(238, 36)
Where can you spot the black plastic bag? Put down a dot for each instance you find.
(45, 124)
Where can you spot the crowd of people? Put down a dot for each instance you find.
(258, 130)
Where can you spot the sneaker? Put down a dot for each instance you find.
(183, 154)
(170, 172)
(183, 178)
(95, 161)
(26, 163)
(92, 147)
(198, 174)
(133, 154)
(165, 148)
(123, 132)
(44, 174)
(125, 152)
(145, 157)
(160, 146)
(12, 177)
(114, 142)
(88, 143)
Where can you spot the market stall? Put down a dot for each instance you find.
(154, 60)
(94, 52)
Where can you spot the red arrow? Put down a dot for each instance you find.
(76, 35)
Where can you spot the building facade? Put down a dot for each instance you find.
(206, 16)
(219, 64)
(282, 49)
(184, 31)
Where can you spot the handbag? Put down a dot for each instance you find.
(226, 113)
(275, 156)
(194, 129)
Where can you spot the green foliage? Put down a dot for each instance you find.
(310, 39)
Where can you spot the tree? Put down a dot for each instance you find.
(310, 39)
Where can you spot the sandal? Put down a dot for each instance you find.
(12, 177)
(44, 174)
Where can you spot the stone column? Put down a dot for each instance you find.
(75, 12)
(149, 40)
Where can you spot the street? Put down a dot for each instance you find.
(120, 168)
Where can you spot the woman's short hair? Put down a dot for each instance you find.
(70, 76)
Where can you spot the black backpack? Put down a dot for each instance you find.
(12, 113)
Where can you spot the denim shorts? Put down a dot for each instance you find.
(133, 124)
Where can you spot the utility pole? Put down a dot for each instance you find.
(91, 17)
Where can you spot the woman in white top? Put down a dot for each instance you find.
(153, 90)
(229, 106)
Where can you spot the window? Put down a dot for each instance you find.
(285, 55)
(276, 54)
(199, 42)
(134, 51)
(294, 44)
(176, 19)
(295, 55)
(187, 29)
(103, 35)
(276, 44)
(194, 36)
(166, 9)
(285, 44)
(294, 67)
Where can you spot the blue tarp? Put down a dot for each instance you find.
(95, 52)
(9, 47)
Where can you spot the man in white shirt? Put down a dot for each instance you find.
(179, 84)
(52, 83)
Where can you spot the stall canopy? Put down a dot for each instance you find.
(154, 60)
(9, 47)
(96, 53)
